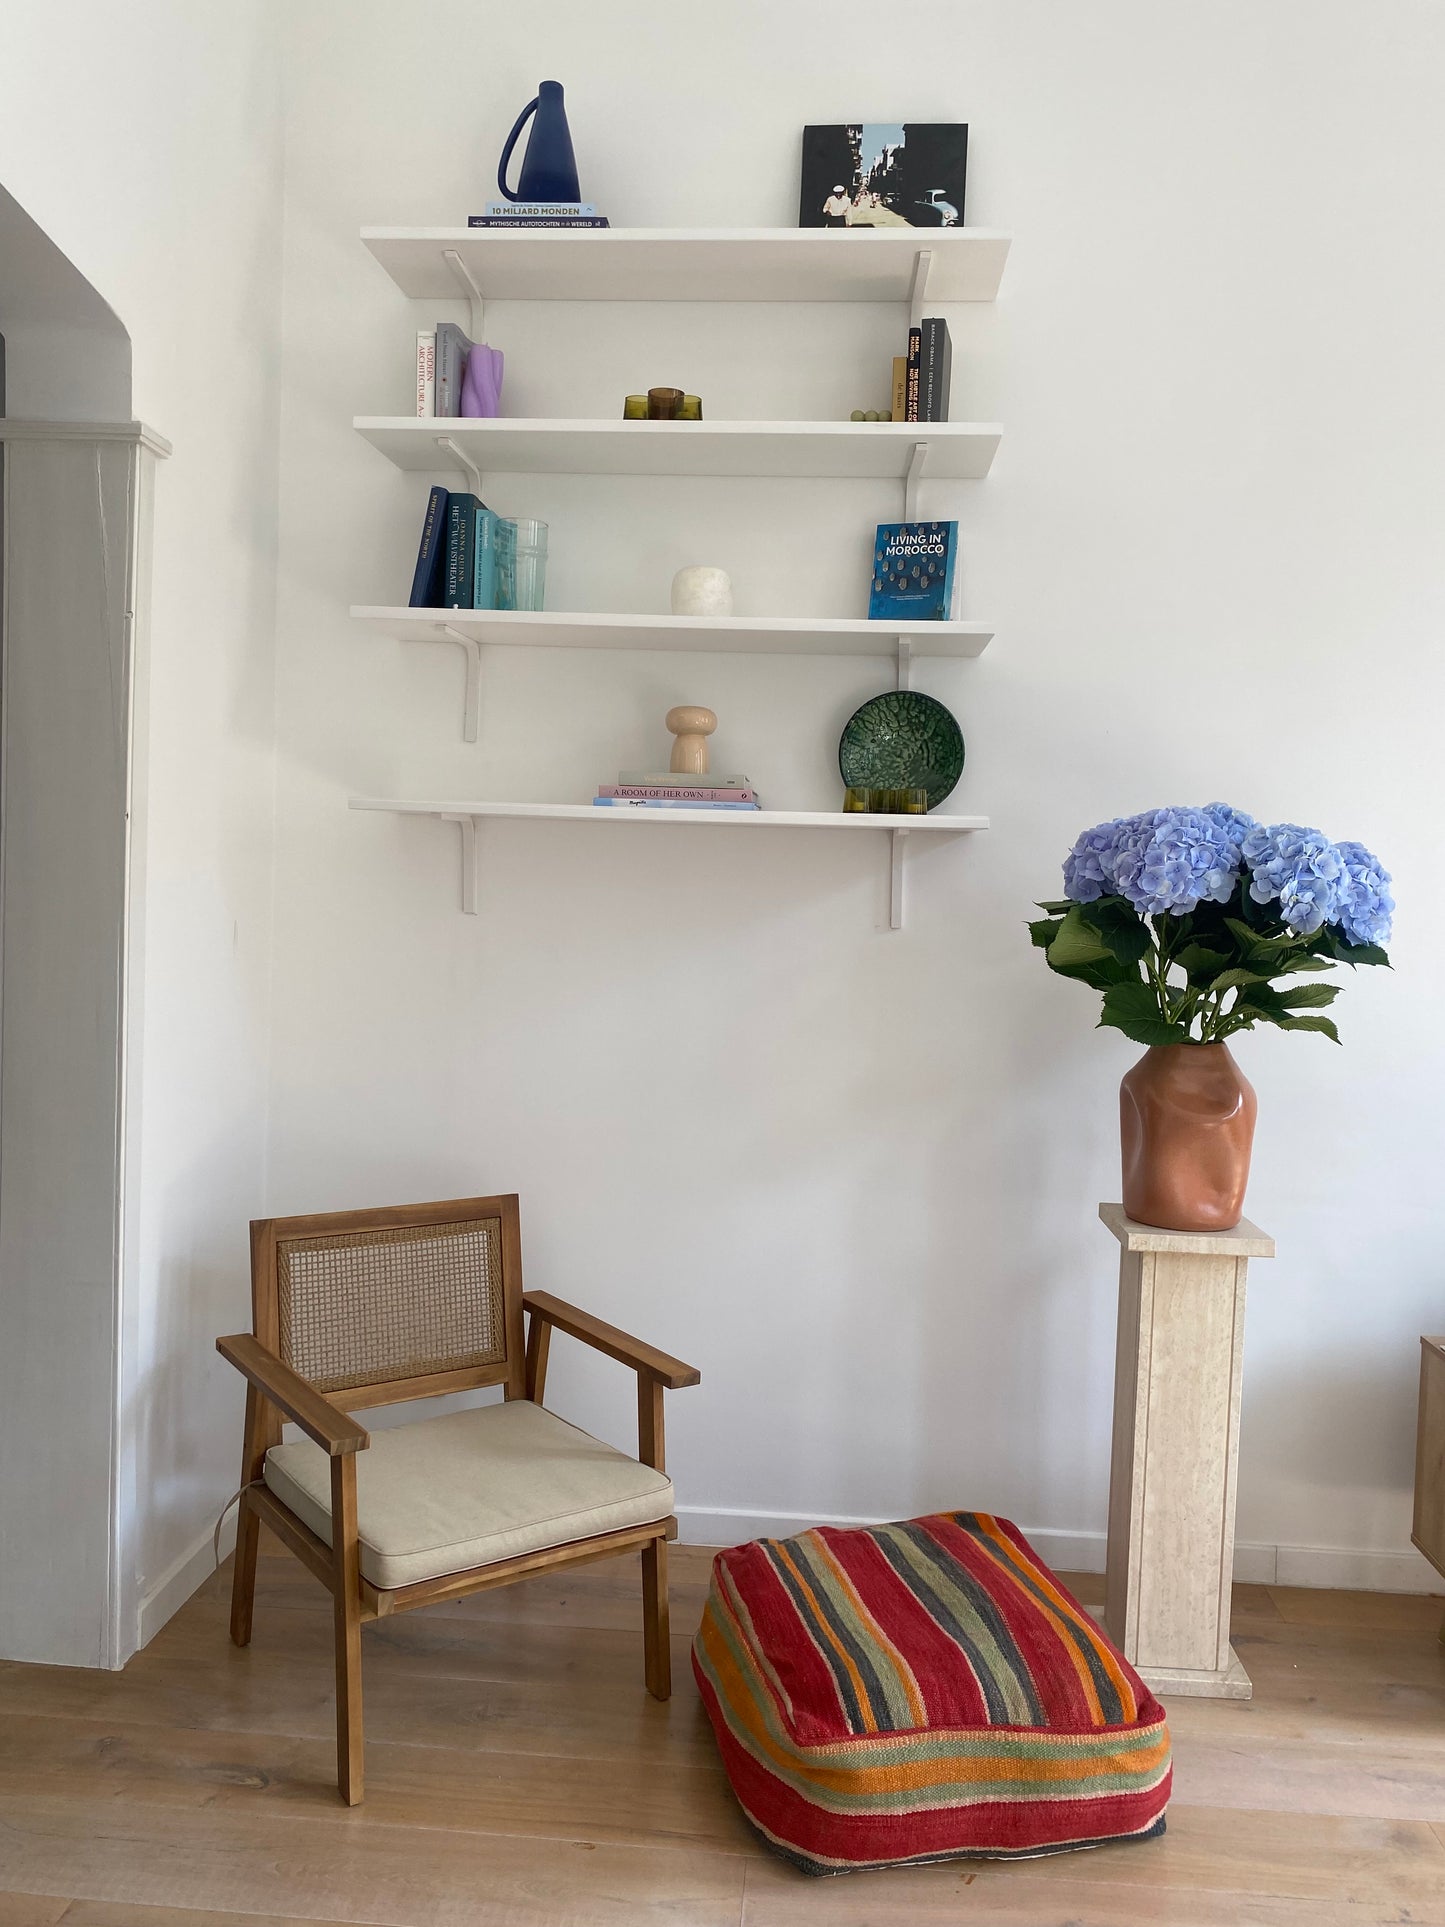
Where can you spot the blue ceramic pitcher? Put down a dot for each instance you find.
(549, 168)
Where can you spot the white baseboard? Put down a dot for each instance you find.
(180, 1579)
(1350, 1570)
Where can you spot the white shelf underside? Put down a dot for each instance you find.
(952, 451)
(691, 264)
(467, 815)
(736, 635)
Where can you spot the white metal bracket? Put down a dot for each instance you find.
(468, 827)
(917, 463)
(472, 700)
(922, 267)
(905, 662)
(895, 879)
(472, 294)
(463, 461)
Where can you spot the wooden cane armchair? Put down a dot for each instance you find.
(360, 1308)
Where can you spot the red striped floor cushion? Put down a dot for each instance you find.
(912, 1692)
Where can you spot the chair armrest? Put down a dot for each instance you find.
(603, 1337)
(335, 1432)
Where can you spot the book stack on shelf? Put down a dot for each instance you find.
(669, 790)
(465, 557)
(921, 377)
(516, 214)
(441, 363)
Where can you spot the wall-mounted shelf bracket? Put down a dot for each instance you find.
(917, 294)
(471, 293)
(896, 840)
(463, 461)
(472, 700)
(905, 662)
(917, 463)
(468, 827)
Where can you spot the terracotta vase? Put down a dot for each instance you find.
(1186, 1128)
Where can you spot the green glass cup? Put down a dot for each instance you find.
(634, 408)
(691, 409)
(856, 799)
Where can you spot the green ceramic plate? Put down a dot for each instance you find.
(902, 741)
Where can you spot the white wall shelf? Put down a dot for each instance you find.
(468, 815)
(951, 451)
(727, 635)
(690, 264)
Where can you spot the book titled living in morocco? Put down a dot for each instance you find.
(915, 573)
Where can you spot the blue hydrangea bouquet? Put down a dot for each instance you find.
(1186, 920)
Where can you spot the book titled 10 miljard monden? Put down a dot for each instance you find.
(915, 572)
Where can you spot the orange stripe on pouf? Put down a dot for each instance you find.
(923, 1690)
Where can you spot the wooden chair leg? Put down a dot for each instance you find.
(656, 1640)
(243, 1577)
(346, 1598)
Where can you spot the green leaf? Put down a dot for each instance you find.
(1308, 996)
(1134, 1009)
(1304, 961)
(1360, 953)
(1076, 942)
(1324, 1024)
(1057, 908)
(1043, 932)
(1120, 926)
(1237, 978)
(1199, 963)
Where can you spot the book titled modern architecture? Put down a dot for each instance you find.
(915, 574)
(426, 371)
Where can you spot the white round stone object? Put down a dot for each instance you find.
(701, 591)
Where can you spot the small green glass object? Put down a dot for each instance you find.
(634, 408)
(691, 409)
(857, 415)
(856, 799)
(663, 404)
(913, 801)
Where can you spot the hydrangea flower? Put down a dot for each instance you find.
(1300, 868)
(1233, 825)
(1366, 905)
(1164, 862)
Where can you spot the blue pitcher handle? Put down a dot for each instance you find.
(522, 120)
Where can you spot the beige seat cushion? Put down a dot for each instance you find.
(471, 1488)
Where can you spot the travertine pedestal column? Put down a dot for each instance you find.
(1176, 1450)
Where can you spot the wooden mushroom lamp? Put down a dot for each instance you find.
(691, 726)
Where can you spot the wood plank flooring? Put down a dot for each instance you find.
(518, 1774)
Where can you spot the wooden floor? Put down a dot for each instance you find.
(518, 1773)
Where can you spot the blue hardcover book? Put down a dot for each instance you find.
(914, 572)
(426, 581)
(661, 803)
(484, 560)
(461, 542)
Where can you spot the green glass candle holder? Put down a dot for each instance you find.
(634, 408)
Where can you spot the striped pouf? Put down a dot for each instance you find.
(918, 1691)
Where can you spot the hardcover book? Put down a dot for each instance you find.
(899, 403)
(529, 210)
(462, 511)
(453, 347)
(884, 174)
(426, 371)
(935, 367)
(915, 577)
(911, 373)
(678, 792)
(426, 581)
(484, 559)
(538, 220)
(703, 802)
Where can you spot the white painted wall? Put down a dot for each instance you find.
(151, 155)
(854, 1174)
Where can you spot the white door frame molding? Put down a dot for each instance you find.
(77, 539)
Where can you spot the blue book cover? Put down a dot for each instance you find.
(914, 572)
(484, 560)
(661, 803)
(426, 581)
(461, 538)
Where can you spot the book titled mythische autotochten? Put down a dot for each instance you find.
(915, 572)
